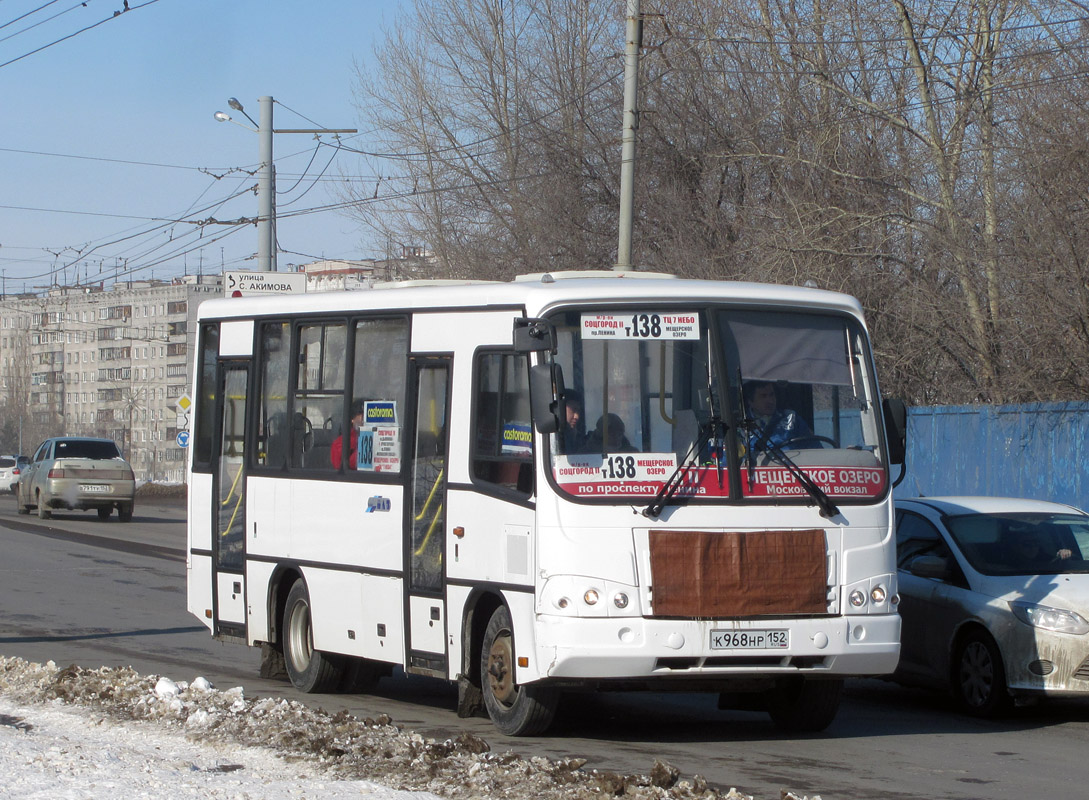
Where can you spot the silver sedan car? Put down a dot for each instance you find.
(994, 599)
(80, 473)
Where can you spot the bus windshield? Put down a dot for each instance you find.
(731, 403)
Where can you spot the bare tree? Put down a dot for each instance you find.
(28, 429)
(924, 156)
(492, 115)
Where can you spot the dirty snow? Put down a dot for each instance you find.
(106, 733)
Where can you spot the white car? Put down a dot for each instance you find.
(994, 598)
(9, 472)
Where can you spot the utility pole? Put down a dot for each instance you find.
(634, 41)
(266, 188)
(266, 179)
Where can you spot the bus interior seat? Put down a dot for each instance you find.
(318, 456)
(276, 438)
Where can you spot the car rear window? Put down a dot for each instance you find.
(78, 449)
(6, 462)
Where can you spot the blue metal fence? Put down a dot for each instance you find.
(1037, 451)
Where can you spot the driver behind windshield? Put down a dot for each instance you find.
(773, 426)
(1025, 546)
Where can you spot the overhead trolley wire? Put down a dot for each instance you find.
(115, 15)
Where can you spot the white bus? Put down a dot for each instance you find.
(560, 481)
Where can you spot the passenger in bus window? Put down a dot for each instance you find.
(574, 432)
(608, 436)
(773, 425)
(336, 452)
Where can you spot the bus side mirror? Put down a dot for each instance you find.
(895, 412)
(546, 392)
(534, 336)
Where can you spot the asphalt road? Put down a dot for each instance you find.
(76, 590)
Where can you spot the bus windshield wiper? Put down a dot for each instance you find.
(674, 482)
(764, 444)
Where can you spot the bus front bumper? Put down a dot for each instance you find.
(635, 647)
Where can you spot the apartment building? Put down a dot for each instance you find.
(113, 361)
(104, 361)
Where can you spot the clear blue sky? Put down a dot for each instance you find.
(143, 87)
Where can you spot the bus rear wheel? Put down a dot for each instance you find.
(516, 710)
(310, 670)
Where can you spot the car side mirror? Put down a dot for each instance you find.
(935, 567)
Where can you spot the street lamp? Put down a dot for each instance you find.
(233, 103)
(266, 181)
(223, 116)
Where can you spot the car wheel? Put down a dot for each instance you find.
(979, 678)
(124, 512)
(310, 670)
(43, 509)
(515, 710)
(23, 509)
(804, 706)
(104, 513)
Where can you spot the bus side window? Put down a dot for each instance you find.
(273, 423)
(204, 443)
(502, 450)
(379, 375)
(319, 395)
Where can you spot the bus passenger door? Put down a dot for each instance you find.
(229, 506)
(426, 526)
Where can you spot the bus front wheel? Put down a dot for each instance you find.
(310, 670)
(516, 710)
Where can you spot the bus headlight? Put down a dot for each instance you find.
(582, 596)
(875, 594)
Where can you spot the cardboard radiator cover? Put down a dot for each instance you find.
(743, 574)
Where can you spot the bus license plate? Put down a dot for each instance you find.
(750, 640)
(92, 488)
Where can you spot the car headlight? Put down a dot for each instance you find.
(1050, 619)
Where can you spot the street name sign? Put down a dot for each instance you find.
(246, 284)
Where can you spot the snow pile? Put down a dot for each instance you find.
(50, 751)
(334, 747)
